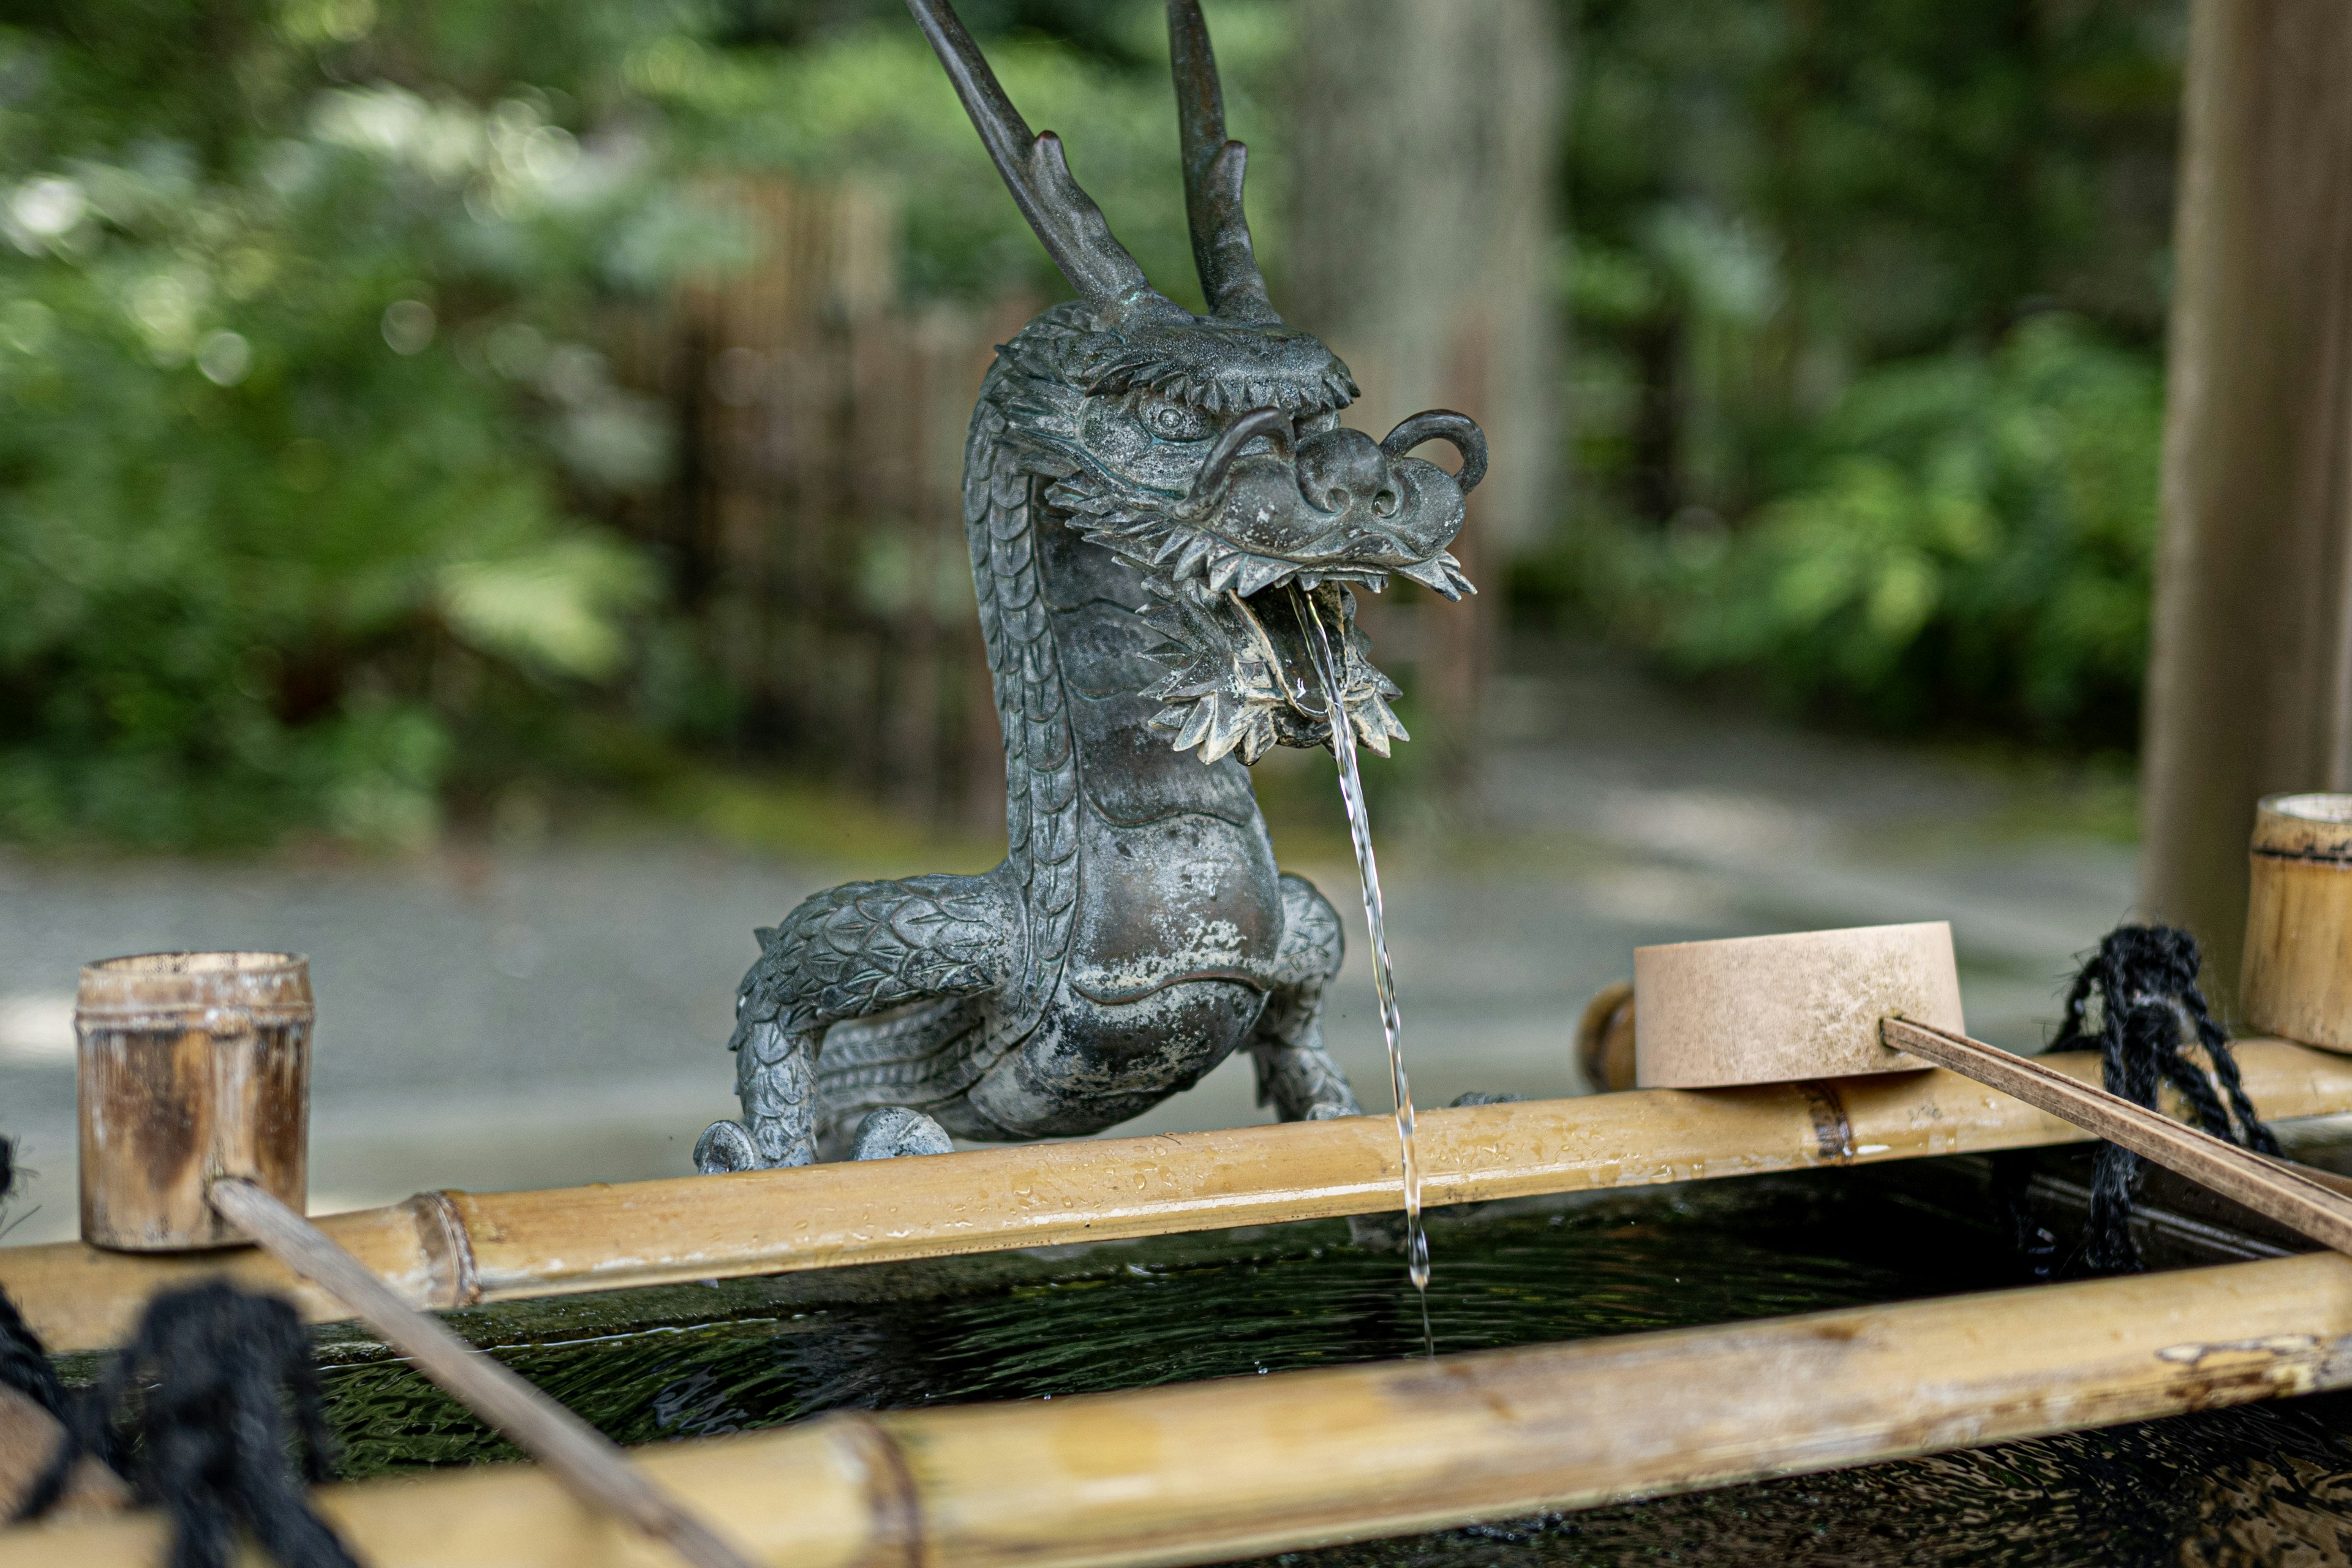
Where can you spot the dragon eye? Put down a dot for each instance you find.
(1176, 422)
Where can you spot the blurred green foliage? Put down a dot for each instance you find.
(1974, 545)
(304, 434)
(868, 102)
(1814, 247)
(309, 454)
(299, 419)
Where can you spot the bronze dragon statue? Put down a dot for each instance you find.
(1160, 505)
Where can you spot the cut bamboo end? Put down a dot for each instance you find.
(1208, 1472)
(1782, 1009)
(1604, 1039)
(445, 1251)
(191, 1065)
(2296, 980)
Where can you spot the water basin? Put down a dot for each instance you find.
(2257, 1484)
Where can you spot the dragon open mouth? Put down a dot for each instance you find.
(1273, 531)
(1242, 675)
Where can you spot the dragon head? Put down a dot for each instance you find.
(1208, 451)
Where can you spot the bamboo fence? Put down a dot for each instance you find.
(811, 524)
(443, 1250)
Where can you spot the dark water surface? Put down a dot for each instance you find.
(2263, 1484)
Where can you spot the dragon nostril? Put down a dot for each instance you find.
(1341, 469)
(1385, 504)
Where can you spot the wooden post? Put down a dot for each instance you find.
(2250, 679)
(193, 1065)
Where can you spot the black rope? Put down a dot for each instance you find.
(24, 1363)
(208, 1381)
(205, 1389)
(2142, 980)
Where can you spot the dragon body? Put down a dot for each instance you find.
(1164, 511)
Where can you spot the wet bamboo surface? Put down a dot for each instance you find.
(451, 1249)
(1209, 1471)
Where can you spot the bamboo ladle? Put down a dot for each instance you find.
(1884, 999)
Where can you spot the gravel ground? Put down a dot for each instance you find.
(501, 1017)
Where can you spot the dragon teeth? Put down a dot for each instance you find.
(1222, 570)
(1258, 574)
(1432, 574)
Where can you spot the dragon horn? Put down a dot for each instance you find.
(1066, 221)
(1213, 170)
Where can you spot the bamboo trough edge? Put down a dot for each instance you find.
(1209, 1471)
(450, 1249)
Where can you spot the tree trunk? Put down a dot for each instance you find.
(2250, 680)
(1426, 144)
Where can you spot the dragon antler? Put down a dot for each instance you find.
(1214, 172)
(1067, 223)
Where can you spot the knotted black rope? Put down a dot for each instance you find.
(2142, 980)
(208, 1381)
(205, 1389)
(24, 1364)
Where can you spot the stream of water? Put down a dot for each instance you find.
(1367, 872)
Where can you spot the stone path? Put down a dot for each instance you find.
(516, 1017)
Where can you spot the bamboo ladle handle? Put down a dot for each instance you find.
(590, 1464)
(2275, 1189)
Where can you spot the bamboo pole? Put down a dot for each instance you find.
(1205, 1472)
(443, 1250)
(29, 1437)
(583, 1459)
(2276, 1189)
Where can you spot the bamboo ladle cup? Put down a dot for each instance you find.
(1878, 999)
(194, 1109)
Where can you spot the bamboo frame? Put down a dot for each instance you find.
(443, 1250)
(1209, 1471)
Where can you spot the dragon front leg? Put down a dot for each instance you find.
(1295, 1074)
(849, 952)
